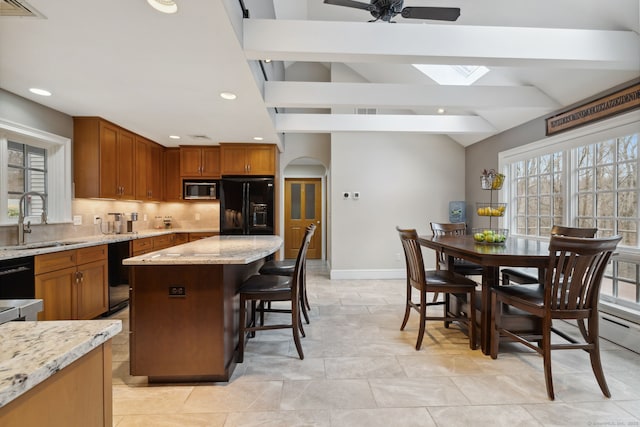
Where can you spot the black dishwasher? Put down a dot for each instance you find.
(17, 278)
(118, 277)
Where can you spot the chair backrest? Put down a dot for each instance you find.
(446, 229)
(413, 257)
(561, 230)
(301, 259)
(575, 283)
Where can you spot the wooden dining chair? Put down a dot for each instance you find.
(262, 288)
(447, 282)
(460, 266)
(287, 268)
(570, 291)
(525, 276)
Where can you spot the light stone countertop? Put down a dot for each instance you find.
(212, 250)
(39, 248)
(31, 352)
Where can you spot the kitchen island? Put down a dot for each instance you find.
(184, 306)
(56, 373)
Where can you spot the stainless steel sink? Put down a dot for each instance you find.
(41, 245)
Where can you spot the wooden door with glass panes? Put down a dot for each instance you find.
(303, 207)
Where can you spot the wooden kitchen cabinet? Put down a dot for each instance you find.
(202, 235)
(149, 167)
(172, 179)
(199, 162)
(248, 159)
(72, 284)
(103, 158)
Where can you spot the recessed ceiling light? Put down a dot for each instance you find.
(441, 110)
(41, 92)
(228, 95)
(164, 6)
(258, 138)
(267, 60)
(174, 137)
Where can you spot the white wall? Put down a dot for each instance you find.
(404, 180)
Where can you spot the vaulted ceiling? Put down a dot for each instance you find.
(161, 75)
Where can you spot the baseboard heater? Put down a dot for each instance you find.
(620, 331)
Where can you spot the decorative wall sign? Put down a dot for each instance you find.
(607, 106)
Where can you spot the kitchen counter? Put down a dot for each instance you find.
(184, 306)
(39, 248)
(32, 352)
(213, 250)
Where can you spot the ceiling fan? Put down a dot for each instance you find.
(387, 9)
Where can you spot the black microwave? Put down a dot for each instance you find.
(200, 190)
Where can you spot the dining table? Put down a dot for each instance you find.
(514, 252)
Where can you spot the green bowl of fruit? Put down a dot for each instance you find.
(490, 236)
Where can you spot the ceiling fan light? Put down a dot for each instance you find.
(164, 6)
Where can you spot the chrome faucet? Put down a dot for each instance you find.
(26, 228)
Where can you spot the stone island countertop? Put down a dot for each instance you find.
(212, 250)
(31, 352)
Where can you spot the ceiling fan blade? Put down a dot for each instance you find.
(349, 3)
(438, 13)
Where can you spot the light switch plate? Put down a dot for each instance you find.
(77, 220)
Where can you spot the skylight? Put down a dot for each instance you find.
(461, 75)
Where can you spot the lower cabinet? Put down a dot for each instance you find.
(73, 284)
(201, 235)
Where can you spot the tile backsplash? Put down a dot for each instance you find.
(192, 216)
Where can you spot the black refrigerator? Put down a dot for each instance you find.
(246, 205)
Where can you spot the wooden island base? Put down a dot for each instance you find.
(184, 320)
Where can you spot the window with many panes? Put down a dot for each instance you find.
(590, 183)
(26, 171)
(34, 160)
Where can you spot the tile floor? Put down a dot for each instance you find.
(361, 370)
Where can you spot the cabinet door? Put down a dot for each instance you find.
(92, 293)
(233, 160)
(109, 187)
(141, 169)
(154, 172)
(190, 162)
(261, 160)
(125, 164)
(210, 162)
(57, 290)
(172, 180)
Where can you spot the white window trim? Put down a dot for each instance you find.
(620, 125)
(59, 187)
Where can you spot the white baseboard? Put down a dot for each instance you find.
(367, 274)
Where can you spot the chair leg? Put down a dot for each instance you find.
(407, 308)
(594, 355)
(243, 322)
(472, 323)
(296, 323)
(546, 355)
(303, 308)
(447, 302)
(423, 315)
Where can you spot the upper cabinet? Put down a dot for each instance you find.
(199, 162)
(248, 159)
(149, 167)
(172, 181)
(103, 159)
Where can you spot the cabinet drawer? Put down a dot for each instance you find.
(54, 261)
(201, 235)
(163, 241)
(91, 254)
(180, 238)
(140, 246)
